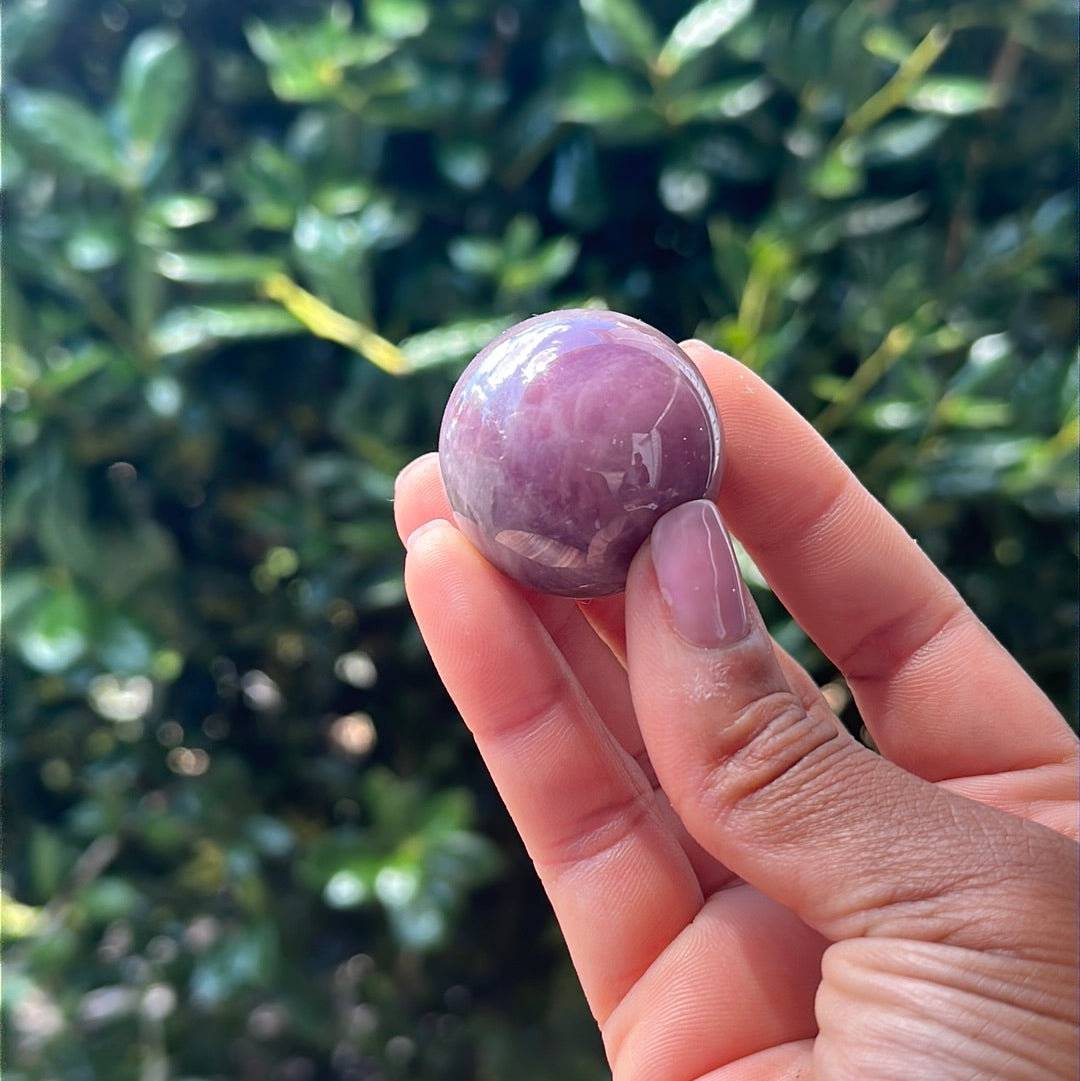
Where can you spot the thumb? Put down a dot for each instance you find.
(766, 779)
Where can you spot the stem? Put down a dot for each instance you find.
(874, 368)
(894, 93)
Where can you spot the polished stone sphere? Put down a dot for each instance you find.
(567, 438)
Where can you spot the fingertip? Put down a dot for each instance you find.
(698, 345)
(419, 495)
(414, 468)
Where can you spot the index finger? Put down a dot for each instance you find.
(938, 693)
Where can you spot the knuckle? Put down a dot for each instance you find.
(773, 754)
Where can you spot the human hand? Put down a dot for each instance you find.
(746, 891)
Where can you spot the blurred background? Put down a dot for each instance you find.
(249, 245)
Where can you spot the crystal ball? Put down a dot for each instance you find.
(564, 441)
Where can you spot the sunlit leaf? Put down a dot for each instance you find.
(209, 269)
(837, 176)
(18, 920)
(699, 29)
(953, 96)
(888, 43)
(452, 343)
(465, 164)
(601, 96)
(684, 190)
(398, 18)
(94, 246)
(57, 632)
(309, 62)
(725, 101)
(185, 330)
(551, 262)
(177, 211)
(962, 411)
(157, 83)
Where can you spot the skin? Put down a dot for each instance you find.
(747, 892)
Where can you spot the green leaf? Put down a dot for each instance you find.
(601, 96)
(953, 96)
(684, 190)
(79, 364)
(94, 246)
(552, 261)
(65, 131)
(109, 898)
(30, 27)
(872, 216)
(961, 411)
(887, 43)
(57, 632)
(452, 343)
(477, 255)
(700, 29)
(214, 269)
(724, 101)
(20, 589)
(466, 164)
(621, 29)
(308, 63)
(156, 86)
(899, 140)
(398, 19)
(186, 330)
(838, 175)
(180, 211)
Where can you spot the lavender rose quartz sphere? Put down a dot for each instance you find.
(567, 438)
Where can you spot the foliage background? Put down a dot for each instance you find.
(248, 247)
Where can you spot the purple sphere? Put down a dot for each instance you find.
(567, 438)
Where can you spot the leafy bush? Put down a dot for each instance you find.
(248, 248)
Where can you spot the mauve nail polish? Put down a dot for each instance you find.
(698, 576)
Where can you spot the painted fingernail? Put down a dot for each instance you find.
(698, 576)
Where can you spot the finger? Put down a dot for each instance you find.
(738, 980)
(619, 881)
(870, 598)
(786, 799)
(420, 497)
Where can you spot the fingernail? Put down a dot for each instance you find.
(698, 576)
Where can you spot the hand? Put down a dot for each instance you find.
(746, 891)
